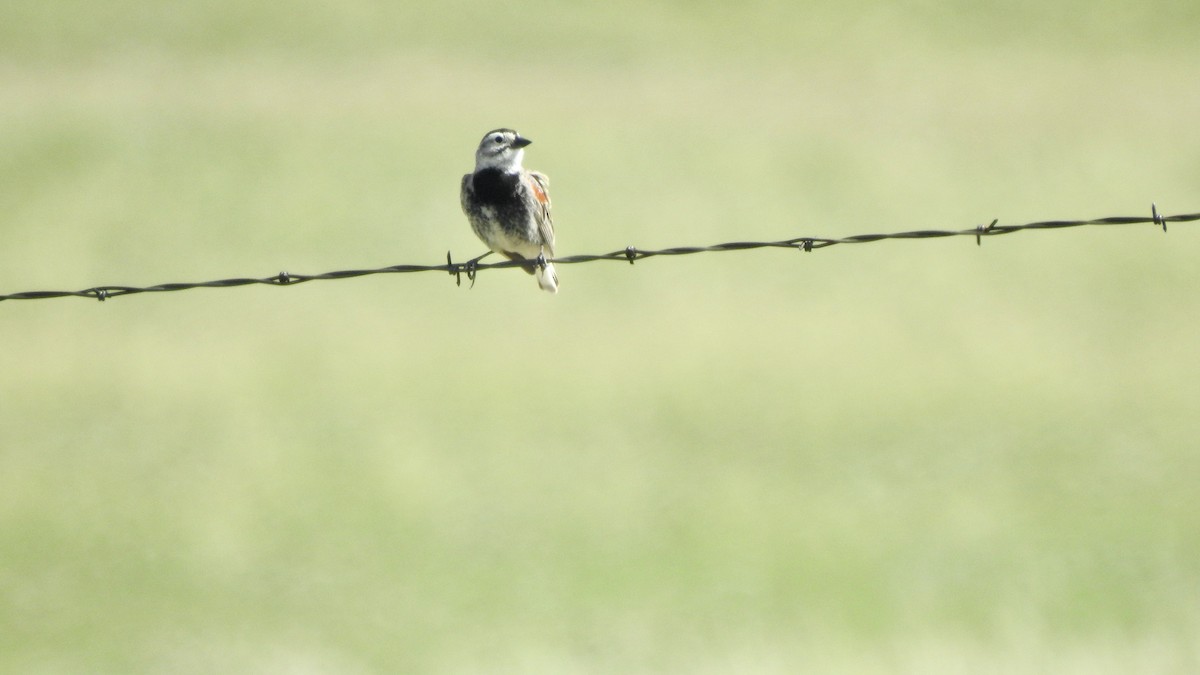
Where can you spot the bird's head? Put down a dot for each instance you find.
(501, 149)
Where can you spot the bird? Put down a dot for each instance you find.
(508, 205)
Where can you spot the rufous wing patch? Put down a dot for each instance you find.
(538, 193)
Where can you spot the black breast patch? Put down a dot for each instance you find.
(495, 187)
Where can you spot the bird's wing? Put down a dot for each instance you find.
(465, 193)
(539, 186)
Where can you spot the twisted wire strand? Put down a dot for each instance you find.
(629, 254)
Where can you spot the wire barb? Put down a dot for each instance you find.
(984, 229)
(1158, 220)
(630, 254)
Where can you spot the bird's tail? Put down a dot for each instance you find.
(547, 278)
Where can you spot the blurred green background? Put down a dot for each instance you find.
(903, 456)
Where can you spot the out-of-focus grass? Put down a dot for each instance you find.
(913, 456)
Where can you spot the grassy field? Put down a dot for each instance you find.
(897, 457)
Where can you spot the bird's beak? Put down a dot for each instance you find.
(521, 142)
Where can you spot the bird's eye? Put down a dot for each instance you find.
(497, 140)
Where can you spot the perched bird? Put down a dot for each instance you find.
(509, 205)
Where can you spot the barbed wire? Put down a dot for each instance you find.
(629, 254)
